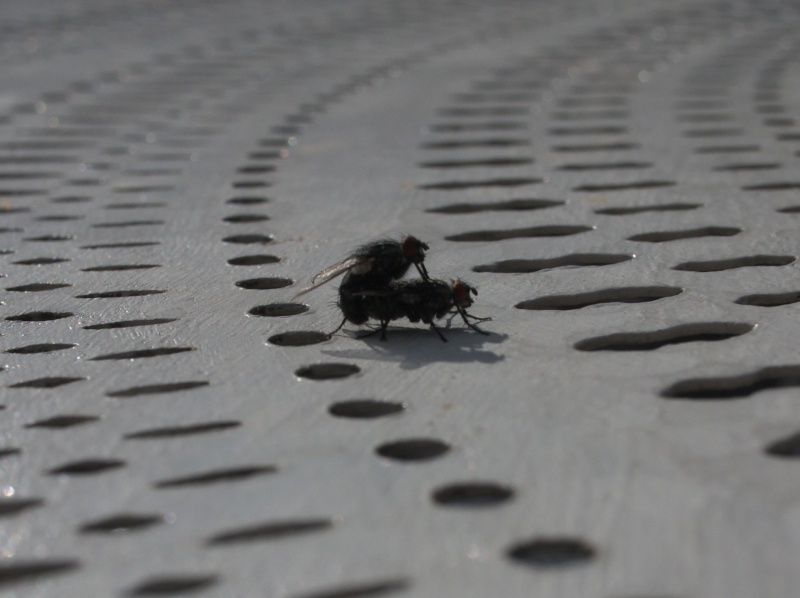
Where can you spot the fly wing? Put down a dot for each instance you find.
(332, 272)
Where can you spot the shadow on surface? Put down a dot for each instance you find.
(418, 347)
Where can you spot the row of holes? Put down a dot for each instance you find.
(526, 549)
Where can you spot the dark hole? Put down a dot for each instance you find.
(678, 235)
(727, 149)
(511, 205)
(599, 130)
(262, 284)
(269, 531)
(472, 494)
(255, 169)
(733, 263)
(474, 143)
(120, 294)
(249, 185)
(247, 201)
(787, 448)
(522, 266)
(253, 260)
(232, 474)
(602, 188)
(519, 233)
(51, 238)
(63, 421)
(748, 166)
(128, 224)
(12, 506)
(652, 340)
(8, 452)
(584, 167)
(365, 409)
(122, 245)
(711, 133)
(777, 186)
(485, 111)
(41, 348)
(173, 584)
(124, 522)
(499, 182)
(576, 115)
(327, 371)
(245, 218)
(39, 316)
(151, 389)
(664, 207)
(735, 387)
(47, 382)
(274, 310)
(87, 467)
(364, 590)
(143, 188)
(21, 193)
(552, 552)
(15, 571)
(142, 353)
(614, 295)
(477, 126)
(413, 449)
(56, 218)
(249, 239)
(129, 324)
(38, 287)
(298, 338)
(770, 299)
(120, 267)
(181, 431)
(486, 162)
(594, 147)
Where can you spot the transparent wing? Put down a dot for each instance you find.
(332, 272)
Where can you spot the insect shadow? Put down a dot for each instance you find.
(418, 347)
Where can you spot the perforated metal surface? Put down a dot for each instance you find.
(618, 179)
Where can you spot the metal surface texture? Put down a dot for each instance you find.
(617, 179)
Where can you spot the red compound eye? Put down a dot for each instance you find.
(414, 249)
(461, 292)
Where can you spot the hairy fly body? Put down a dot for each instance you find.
(423, 300)
(375, 265)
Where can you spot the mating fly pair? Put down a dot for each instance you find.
(372, 289)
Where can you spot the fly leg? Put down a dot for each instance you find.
(464, 316)
(384, 324)
(368, 334)
(338, 328)
(439, 332)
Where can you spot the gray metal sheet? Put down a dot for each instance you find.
(626, 429)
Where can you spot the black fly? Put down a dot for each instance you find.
(374, 265)
(418, 300)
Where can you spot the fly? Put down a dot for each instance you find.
(375, 265)
(423, 300)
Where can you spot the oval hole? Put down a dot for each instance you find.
(552, 552)
(472, 494)
(365, 409)
(413, 449)
(327, 371)
(298, 338)
(276, 310)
